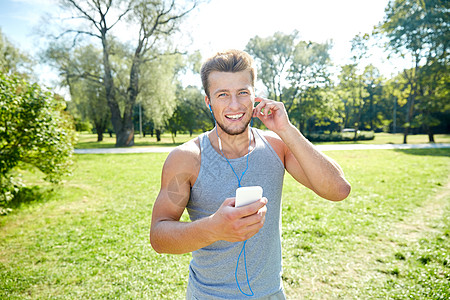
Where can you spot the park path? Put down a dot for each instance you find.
(320, 147)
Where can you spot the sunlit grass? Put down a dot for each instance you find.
(88, 238)
(89, 140)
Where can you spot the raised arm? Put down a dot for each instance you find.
(302, 160)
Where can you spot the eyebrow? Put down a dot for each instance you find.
(220, 91)
(227, 90)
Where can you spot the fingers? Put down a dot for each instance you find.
(251, 208)
(229, 202)
(240, 223)
(250, 225)
(253, 214)
(265, 107)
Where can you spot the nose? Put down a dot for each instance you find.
(234, 102)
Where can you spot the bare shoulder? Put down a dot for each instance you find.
(186, 155)
(276, 142)
(184, 161)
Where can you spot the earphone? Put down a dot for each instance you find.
(239, 184)
(220, 141)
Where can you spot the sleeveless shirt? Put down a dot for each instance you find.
(212, 268)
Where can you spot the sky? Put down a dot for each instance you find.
(226, 24)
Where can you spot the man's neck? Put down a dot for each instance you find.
(233, 146)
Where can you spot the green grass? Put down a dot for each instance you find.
(390, 138)
(88, 141)
(88, 238)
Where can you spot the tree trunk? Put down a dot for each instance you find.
(410, 105)
(100, 127)
(100, 130)
(158, 135)
(121, 127)
(124, 139)
(430, 135)
(405, 135)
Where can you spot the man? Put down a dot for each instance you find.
(202, 175)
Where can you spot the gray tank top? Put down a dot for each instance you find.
(212, 268)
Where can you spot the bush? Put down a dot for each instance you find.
(340, 136)
(34, 130)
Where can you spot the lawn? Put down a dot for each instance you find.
(88, 140)
(88, 238)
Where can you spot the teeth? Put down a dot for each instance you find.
(234, 117)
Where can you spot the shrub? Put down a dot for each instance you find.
(34, 130)
(340, 136)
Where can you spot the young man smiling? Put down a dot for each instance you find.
(202, 176)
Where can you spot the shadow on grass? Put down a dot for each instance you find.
(93, 145)
(426, 152)
(30, 195)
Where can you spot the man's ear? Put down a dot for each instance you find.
(208, 102)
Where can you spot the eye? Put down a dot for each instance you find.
(221, 95)
(244, 93)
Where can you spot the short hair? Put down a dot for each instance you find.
(228, 61)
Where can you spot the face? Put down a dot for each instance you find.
(231, 97)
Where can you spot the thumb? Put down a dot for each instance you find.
(229, 202)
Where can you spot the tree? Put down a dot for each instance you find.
(373, 85)
(190, 113)
(293, 72)
(12, 60)
(158, 92)
(347, 90)
(273, 54)
(34, 130)
(82, 74)
(359, 50)
(421, 29)
(433, 95)
(155, 20)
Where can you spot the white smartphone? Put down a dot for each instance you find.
(247, 194)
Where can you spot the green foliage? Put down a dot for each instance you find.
(361, 93)
(12, 60)
(191, 113)
(296, 73)
(34, 130)
(340, 136)
(82, 74)
(421, 30)
(158, 88)
(417, 26)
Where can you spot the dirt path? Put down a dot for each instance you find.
(423, 220)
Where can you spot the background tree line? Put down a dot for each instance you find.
(121, 87)
(113, 85)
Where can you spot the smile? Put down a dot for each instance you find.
(234, 117)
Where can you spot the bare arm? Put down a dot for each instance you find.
(313, 168)
(302, 160)
(169, 235)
